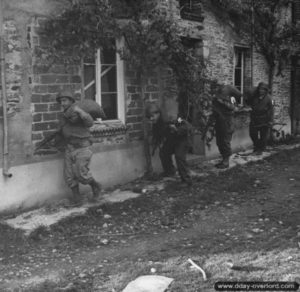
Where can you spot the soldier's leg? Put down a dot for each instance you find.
(264, 134)
(219, 135)
(165, 155)
(70, 176)
(226, 151)
(82, 168)
(254, 135)
(225, 142)
(181, 150)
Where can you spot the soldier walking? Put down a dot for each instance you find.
(74, 128)
(224, 106)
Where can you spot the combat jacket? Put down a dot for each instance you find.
(75, 129)
(262, 111)
(177, 131)
(222, 103)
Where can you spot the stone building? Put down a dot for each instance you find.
(31, 88)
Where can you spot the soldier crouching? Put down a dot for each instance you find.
(171, 137)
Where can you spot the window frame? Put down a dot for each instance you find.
(119, 80)
(242, 50)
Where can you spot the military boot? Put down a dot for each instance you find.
(76, 197)
(224, 163)
(96, 189)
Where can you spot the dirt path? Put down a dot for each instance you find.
(249, 214)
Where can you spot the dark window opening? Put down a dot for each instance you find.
(191, 10)
(242, 69)
(100, 81)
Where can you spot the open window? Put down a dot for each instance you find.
(242, 69)
(191, 10)
(104, 82)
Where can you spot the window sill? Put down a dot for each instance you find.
(108, 128)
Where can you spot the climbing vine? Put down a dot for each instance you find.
(268, 26)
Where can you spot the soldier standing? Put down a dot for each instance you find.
(224, 106)
(261, 117)
(74, 128)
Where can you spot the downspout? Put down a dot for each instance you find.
(4, 97)
(252, 40)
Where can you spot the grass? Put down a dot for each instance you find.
(274, 265)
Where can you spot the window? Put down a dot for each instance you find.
(104, 82)
(191, 10)
(296, 11)
(242, 70)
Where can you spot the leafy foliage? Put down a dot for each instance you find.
(152, 41)
(82, 28)
(268, 26)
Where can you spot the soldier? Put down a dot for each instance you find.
(74, 128)
(261, 117)
(171, 137)
(224, 106)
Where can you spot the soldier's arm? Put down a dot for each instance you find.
(235, 92)
(184, 128)
(226, 103)
(85, 117)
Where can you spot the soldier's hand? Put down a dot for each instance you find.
(77, 109)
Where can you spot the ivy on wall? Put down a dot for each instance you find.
(268, 26)
(152, 40)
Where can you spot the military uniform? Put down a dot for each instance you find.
(74, 129)
(223, 112)
(78, 154)
(261, 118)
(174, 138)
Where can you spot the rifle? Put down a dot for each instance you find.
(46, 140)
(209, 123)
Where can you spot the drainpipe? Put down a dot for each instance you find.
(252, 40)
(4, 97)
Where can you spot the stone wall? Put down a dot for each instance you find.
(13, 64)
(220, 39)
(46, 82)
(32, 86)
(134, 105)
